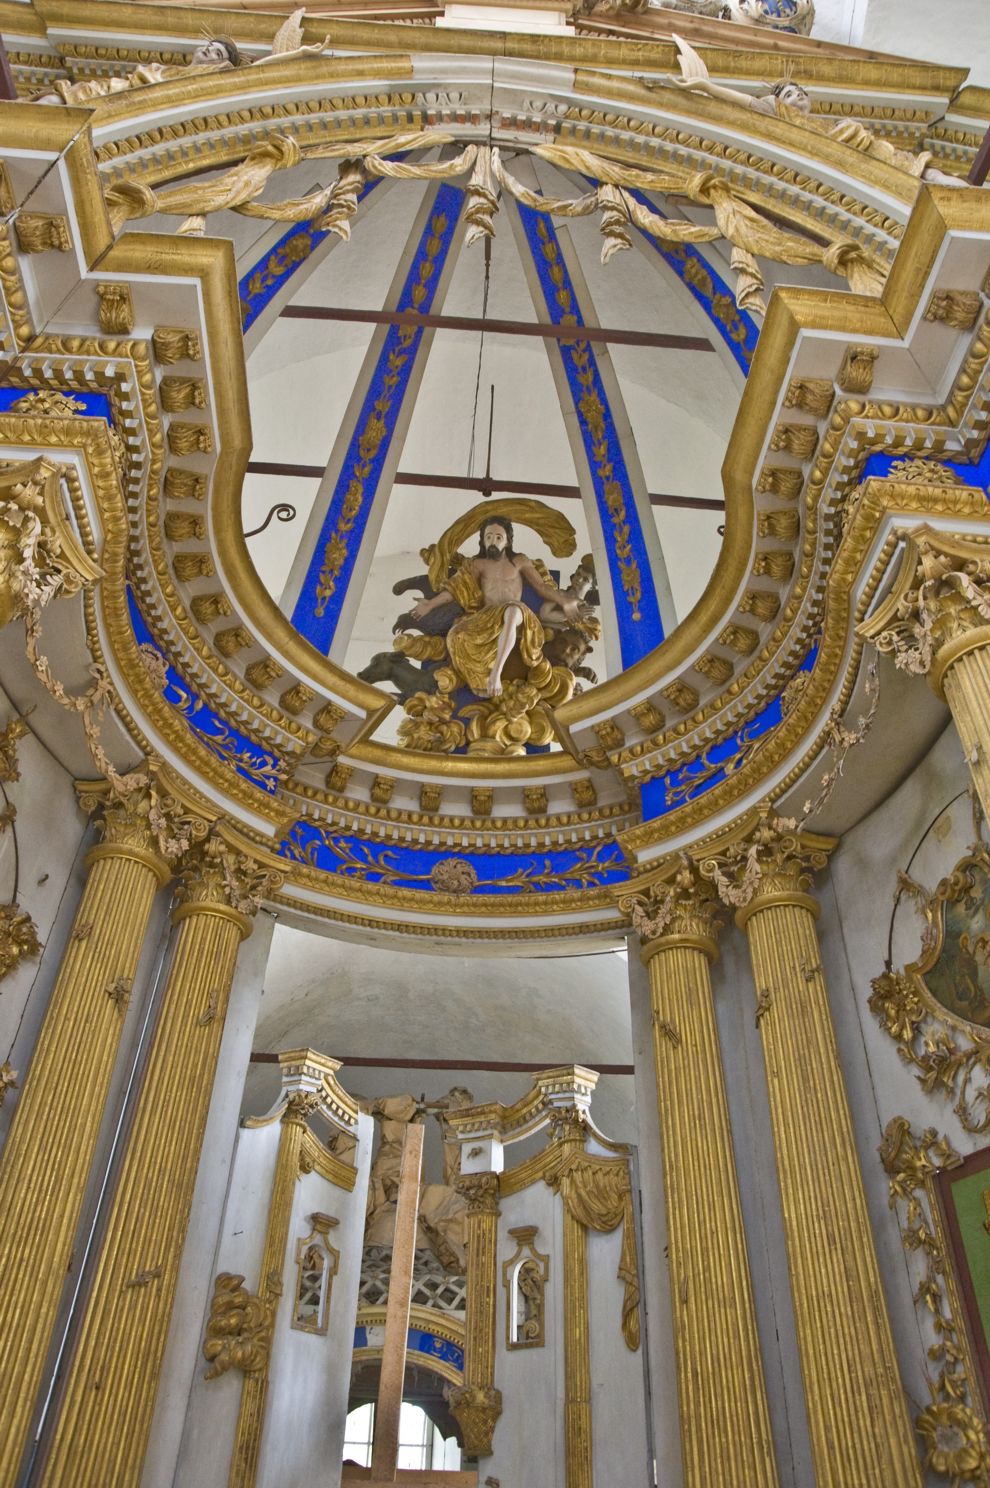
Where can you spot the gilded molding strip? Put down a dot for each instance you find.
(477, 1404)
(101, 1434)
(317, 610)
(636, 604)
(579, 1458)
(50, 1147)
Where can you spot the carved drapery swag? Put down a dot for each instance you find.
(598, 1194)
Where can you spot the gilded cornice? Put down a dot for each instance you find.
(814, 66)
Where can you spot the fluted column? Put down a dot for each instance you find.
(936, 623)
(725, 1420)
(49, 1150)
(477, 1404)
(860, 1431)
(568, 1132)
(102, 1430)
(254, 1391)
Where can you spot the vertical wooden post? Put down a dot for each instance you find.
(385, 1451)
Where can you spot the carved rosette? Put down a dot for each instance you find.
(476, 1409)
(942, 599)
(774, 862)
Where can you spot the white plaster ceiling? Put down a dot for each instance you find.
(371, 1002)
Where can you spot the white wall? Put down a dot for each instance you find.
(954, 32)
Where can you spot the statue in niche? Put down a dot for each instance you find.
(499, 642)
(787, 100)
(214, 54)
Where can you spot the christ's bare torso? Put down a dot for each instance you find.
(500, 579)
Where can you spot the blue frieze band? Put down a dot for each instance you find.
(371, 861)
(637, 608)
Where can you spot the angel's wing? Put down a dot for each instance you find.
(288, 37)
(692, 67)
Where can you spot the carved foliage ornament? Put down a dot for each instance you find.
(944, 593)
(239, 1329)
(215, 873)
(937, 1010)
(953, 1434)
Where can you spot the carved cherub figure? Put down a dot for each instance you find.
(581, 582)
(787, 100)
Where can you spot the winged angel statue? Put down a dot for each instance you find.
(787, 100)
(499, 643)
(214, 54)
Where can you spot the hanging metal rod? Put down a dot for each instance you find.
(499, 327)
(486, 486)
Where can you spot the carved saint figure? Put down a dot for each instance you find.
(215, 54)
(481, 642)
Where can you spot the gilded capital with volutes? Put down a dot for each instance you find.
(939, 608)
(679, 906)
(214, 874)
(137, 815)
(774, 861)
(480, 1191)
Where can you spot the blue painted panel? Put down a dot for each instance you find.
(250, 760)
(95, 405)
(373, 861)
(321, 598)
(972, 472)
(697, 776)
(438, 1348)
(737, 328)
(420, 1342)
(637, 609)
(262, 282)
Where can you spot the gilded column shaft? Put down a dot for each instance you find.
(966, 686)
(477, 1404)
(49, 1150)
(860, 1432)
(110, 1390)
(577, 1356)
(725, 1421)
(254, 1391)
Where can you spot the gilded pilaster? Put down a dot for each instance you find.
(569, 1133)
(254, 1392)
(49, 1150)
(936, 623)
(725, 1421)
(860, 1431)
(477, 1404)
(110, 1389)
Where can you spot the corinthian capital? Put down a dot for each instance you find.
(480, 1190)
(941, 600)
(215, 873)
(678, 904)
(772, 858)
(39, 554)
(138, 811)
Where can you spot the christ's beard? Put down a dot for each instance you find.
(493, 552)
